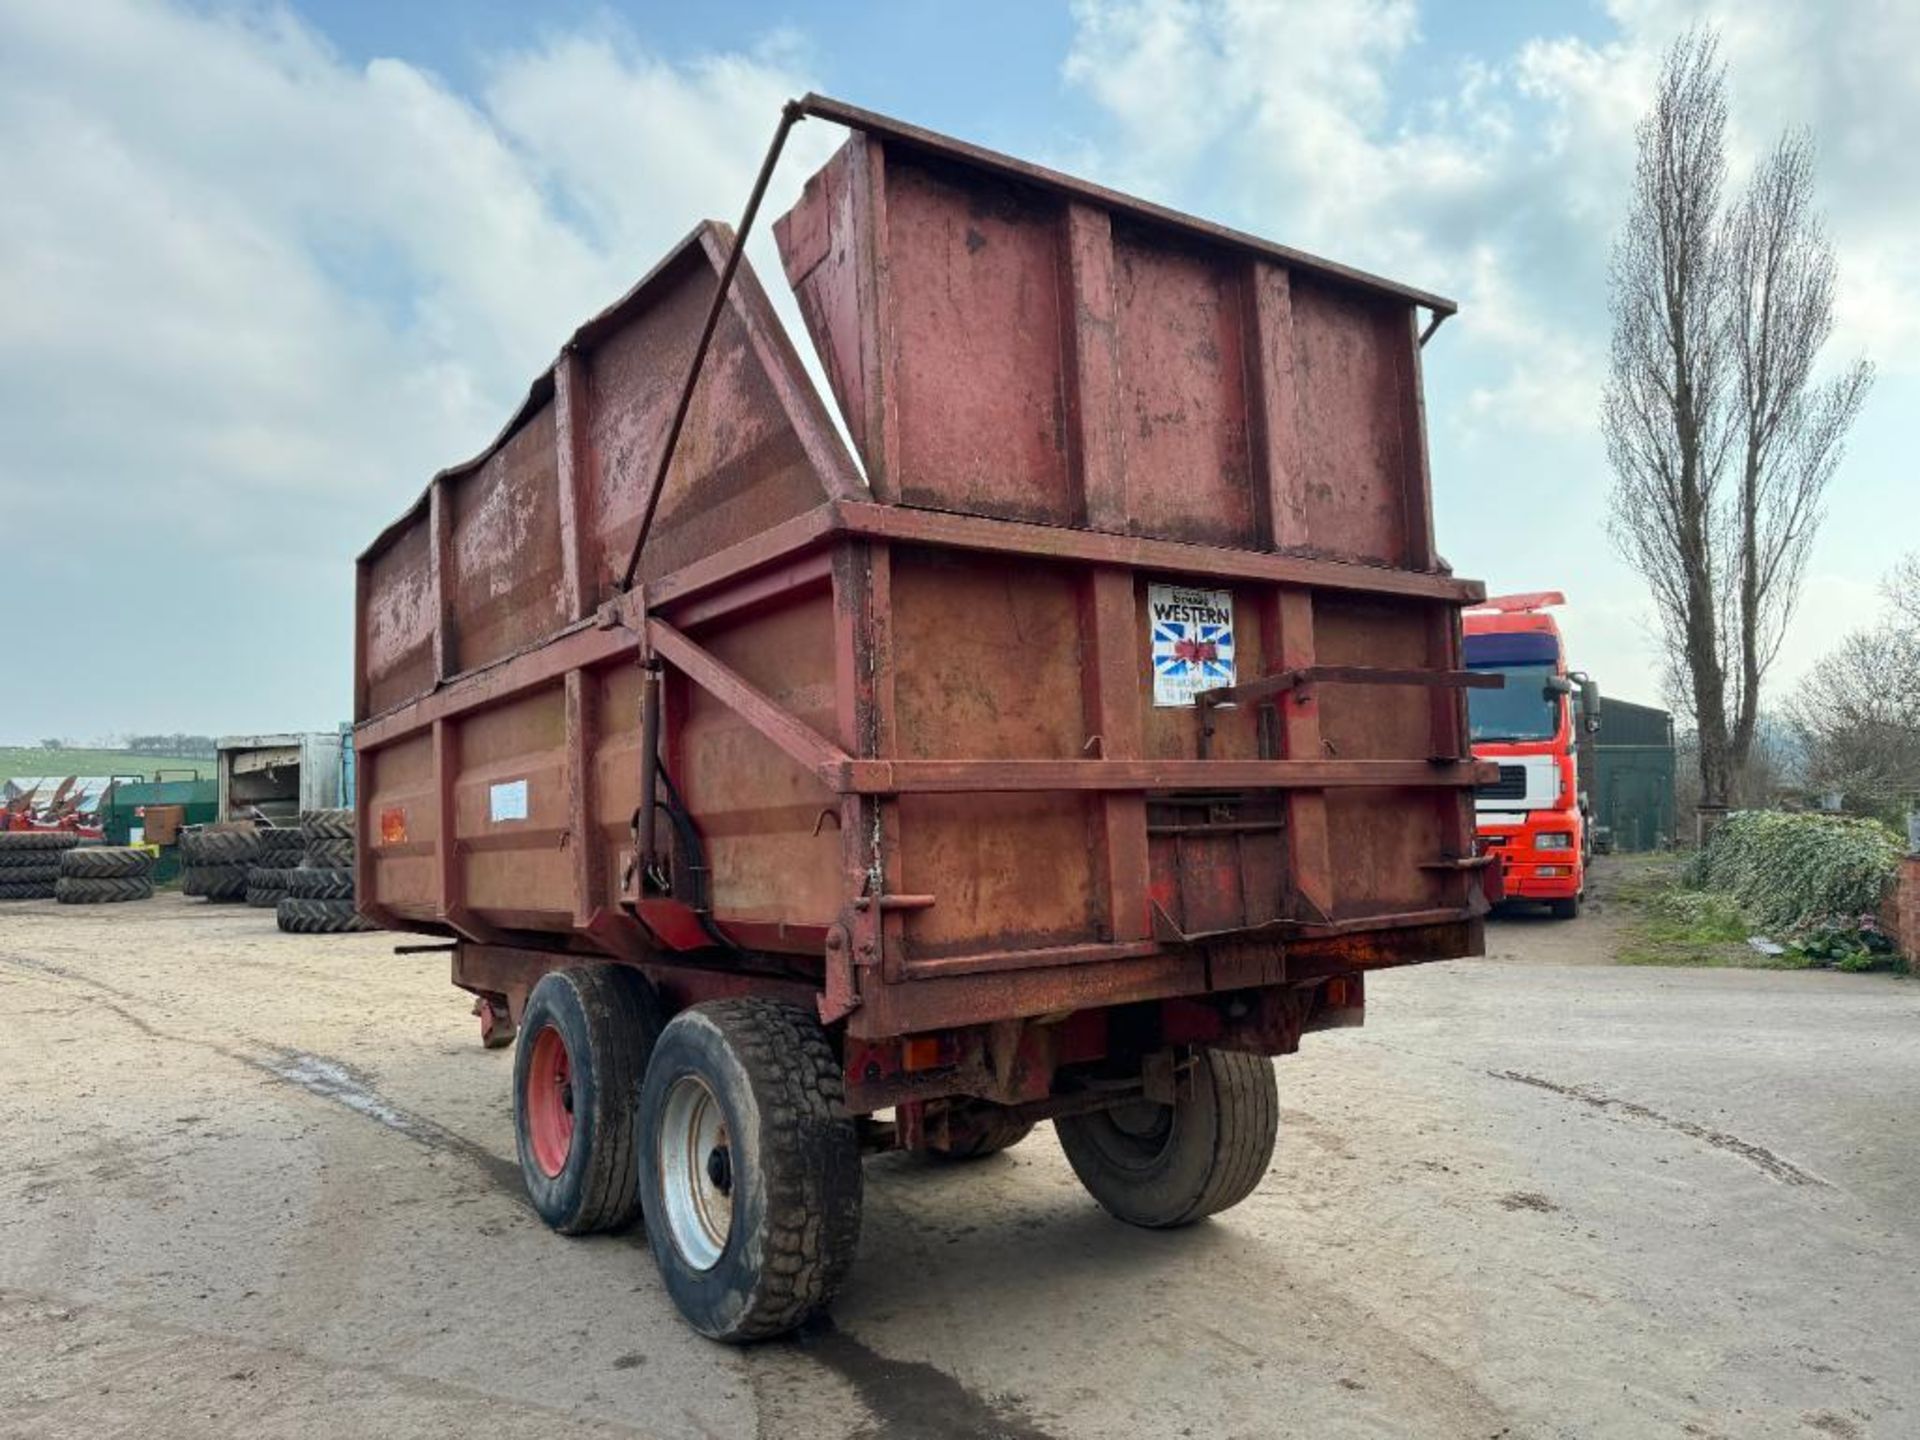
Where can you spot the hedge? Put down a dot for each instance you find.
(1789, 871)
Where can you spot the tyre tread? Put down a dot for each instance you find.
(813, 1188)
(38, 840)
(299, 916)
(1248, 1114)
(105, 862)
(101, 890)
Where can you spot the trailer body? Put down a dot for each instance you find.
(1110, 701)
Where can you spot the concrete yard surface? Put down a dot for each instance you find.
(263, 1185)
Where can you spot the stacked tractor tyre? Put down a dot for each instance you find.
(104, 875)
(281, 850)
(30, 862)
(216, 864)
(319, 898)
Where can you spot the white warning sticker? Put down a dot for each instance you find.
(1192, 634)
(507, 800)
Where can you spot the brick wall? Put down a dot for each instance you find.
(1900, 911)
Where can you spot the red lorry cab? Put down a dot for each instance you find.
(1531, 817)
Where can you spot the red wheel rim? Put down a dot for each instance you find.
(550, 1102)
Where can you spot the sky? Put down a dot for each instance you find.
(264, 268)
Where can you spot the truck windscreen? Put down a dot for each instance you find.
(1523, 710)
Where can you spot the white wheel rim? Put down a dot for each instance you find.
(695, 1165)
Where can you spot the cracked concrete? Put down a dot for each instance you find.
(262, 1185)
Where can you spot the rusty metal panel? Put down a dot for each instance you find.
(1379, 839)
(395, 790)
(742, 464)
(510, 817)
(1354, 407)
(505, 548)
(771, 829)
(400, 617)
(987, 664)
(975, 343)
(973, 321)
(1180, 322)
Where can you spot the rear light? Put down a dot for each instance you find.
(1554, 840)
(1552, 872)
(920, 1052)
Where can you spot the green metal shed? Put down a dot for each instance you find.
(1631, 788)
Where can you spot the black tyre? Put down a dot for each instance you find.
(38, 857)
(220, 847)
(215, 882)
(44, 873)
(326, 825)
(585, 1036)
(307, 883)
(280, 846)
(320, 917)
(80, 890)
(1167, 1165)
(266, 889)
(105, 862)
(750, 1167)
(328, 855)
(12, 889)
(17, 840)
(1568, 909)
(975, 1130)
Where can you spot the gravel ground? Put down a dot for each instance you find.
(262, 1185)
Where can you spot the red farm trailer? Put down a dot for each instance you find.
(1072, 751)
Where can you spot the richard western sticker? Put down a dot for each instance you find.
(1192, 642)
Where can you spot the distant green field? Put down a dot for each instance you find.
(16, 760)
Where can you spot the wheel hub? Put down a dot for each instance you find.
(695, 1165)
(550, 1102)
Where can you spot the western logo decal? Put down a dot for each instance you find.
(1192, 633)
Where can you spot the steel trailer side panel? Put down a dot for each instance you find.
(986, 336)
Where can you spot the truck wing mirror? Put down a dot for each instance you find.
(1589, 702)
(1558, 685)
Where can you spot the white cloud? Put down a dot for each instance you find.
(1502, 184)
(252, 295)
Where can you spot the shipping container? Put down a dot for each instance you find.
(275, 777)
(1062, 752)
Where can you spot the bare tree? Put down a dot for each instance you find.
(1791, 430)
(1662, 411)
(1857, 713)
(1720, 440)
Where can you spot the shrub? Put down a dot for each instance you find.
(1792, 872)
(1847, 942)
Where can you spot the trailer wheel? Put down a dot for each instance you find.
(1166, 1165)
(751, 1167)
(584, 1041)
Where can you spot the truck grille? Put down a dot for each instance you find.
(1512, 784)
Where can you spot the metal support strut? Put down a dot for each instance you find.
(644, 848)
(792, 112)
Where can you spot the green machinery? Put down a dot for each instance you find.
(122, 813)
